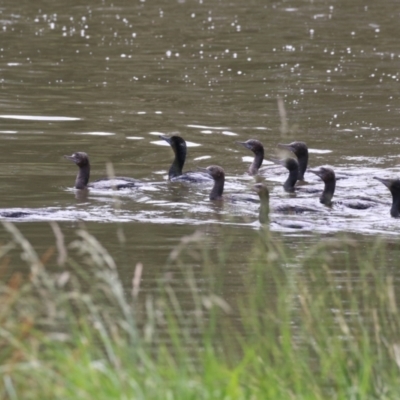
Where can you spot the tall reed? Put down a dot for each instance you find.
(321, 325)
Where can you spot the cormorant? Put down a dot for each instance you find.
(258, 149)
(179, 147)
(300, 150)
(394, 186)
(81, 159)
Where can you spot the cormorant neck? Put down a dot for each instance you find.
(291, 180)
(82, 179)
(177, 165)
(218, 189)
(395, 210)
(257, 162)
(327, 194)
(303, 161)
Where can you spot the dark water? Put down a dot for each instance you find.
(107, 79)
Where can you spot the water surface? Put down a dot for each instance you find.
(107, 79)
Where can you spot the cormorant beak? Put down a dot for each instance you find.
(166, 138)
(202, 169)
(285, 146)
(71, 158)
(244, 144)
(386, 182)
(318, 173)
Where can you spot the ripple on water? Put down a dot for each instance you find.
(188, 205)
(319, 151)
(39, 118)
(201, 158)
(175, 204)
(229, 133)
(249, 159)
(96, 133)
(215, 128)
(363, 159)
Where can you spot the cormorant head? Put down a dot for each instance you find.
(216, 172)
(298, 148)
(80, 158)
(392, 184)
(326, 174)
(177, 143)
(254, 145)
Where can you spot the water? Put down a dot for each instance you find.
(108, 79)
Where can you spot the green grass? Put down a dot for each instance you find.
(321, 326)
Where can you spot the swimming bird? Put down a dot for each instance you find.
(179, 147)
(218, 175)
(300, 150)
(328, 177)
(81, 159)
(394, 186)
(258, 149)
(293, 167)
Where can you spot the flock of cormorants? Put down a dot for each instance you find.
(296, 167)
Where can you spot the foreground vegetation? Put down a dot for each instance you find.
(323, 326)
